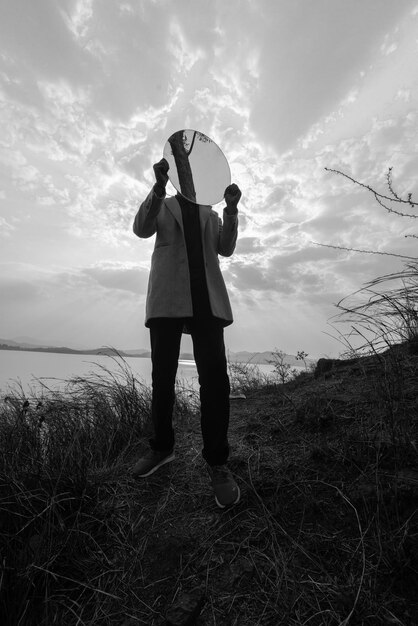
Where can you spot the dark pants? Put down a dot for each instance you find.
(209, 354)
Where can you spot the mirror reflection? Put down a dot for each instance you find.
(198, 168)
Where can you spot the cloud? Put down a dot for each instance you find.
(183, 55)
(79, 19)
(84, 304)
(6, 228)
(19, 291)
(103, 278)
(248, 245)
(116, 276)
(244, 276)
(295, 58)
(37, 35)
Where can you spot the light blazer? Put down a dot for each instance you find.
(168, 292)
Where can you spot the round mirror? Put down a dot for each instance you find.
(198, 167)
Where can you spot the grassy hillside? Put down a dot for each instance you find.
(326, 531)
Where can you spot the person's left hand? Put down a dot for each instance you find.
(232, 196)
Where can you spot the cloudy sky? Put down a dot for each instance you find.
(91, 89)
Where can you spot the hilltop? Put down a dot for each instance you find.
(326, 531)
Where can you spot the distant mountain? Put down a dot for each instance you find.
(11, 344)
(138, 352)
(24, 342)
(261, 358)
(186, 356)
(30, 344)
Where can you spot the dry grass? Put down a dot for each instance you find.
(326, 532)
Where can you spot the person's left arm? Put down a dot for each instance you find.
(228, 227)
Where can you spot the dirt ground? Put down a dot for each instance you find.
(326, 528)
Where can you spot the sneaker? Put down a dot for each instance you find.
(226, 489)
(150, 462)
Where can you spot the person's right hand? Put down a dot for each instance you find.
(160, 171)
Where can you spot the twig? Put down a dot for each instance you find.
(379, 196)
(400, 256)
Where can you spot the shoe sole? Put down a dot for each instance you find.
(167, 459)
(224, 506)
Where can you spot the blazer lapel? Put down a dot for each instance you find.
(175, 210)
(204, 213)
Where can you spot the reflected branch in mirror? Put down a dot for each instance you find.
(180, 153)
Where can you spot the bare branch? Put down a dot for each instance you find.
(379, 196)
(192, 144)
(390, 185)
(390, 210)
(400, 256)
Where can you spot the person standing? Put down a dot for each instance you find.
(187, 293)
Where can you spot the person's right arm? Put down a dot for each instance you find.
(145, 222)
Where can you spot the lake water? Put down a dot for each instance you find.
(30, 369)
